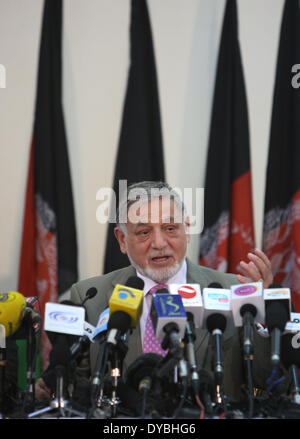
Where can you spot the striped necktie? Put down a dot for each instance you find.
(151, 343)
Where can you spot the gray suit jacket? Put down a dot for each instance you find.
(234, 375)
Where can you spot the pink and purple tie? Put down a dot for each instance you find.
(151, 343)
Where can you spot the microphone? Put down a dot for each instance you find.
(294, 324)
(193, 305)
(216, 324)
(291, 360)
(101, 328)
(139, 374)
(12, 310)
(217, 311)
(247, 306)
(33, 303)
(140, 377)
(168, 317)
(118, 323)
(277, 309)
(34, 316)
(125, 309)
(128, 299)
(91, 292)
(216, 300)
(190, 351)
(191, 299)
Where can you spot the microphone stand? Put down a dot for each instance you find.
(175, 356)
(59, 403)
(248, 320)
(117, 354)
(32, 352)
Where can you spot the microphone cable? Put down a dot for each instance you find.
(182, 399)
(201, 406)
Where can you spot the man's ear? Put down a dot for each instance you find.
(120, 235)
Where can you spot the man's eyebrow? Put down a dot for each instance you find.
(141, 223)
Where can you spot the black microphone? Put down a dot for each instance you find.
(112, 347)
(32, 313)
(216, 325)
(276, 319)
(248, 312)
(190, 351)
(118, 324)
(91, 292)
(277, 316)
(291, 361)
(140, 377)
(139, 374)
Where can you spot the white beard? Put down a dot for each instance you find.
(160, 275)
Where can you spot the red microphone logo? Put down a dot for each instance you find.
(187, 292)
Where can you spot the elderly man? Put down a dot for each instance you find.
(153, 230)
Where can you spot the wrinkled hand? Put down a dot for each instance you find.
(41, 390)
(258, 269)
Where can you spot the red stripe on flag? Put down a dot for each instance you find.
(282, 246)
(241, 222)
(38, 263)
(234, 236)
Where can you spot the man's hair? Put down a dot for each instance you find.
(142, 192)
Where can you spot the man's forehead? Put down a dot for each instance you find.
(155, 211)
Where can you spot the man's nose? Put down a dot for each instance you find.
(158, 240)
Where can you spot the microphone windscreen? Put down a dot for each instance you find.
(135, 282)
(162, 291)
(60, 354)
(119, 320)
(215, 285)
(289, 354)
(276, 315)
(248, 307)
(275, 285)
(91, 292)
(142, 367)
(216, 321)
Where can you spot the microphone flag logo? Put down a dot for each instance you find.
(187, 292)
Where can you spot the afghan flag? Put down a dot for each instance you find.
(48, 263)
(281, 236)
(228, 233)
(140, 151)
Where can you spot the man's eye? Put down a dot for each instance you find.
(171, 228)
(143, 232)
